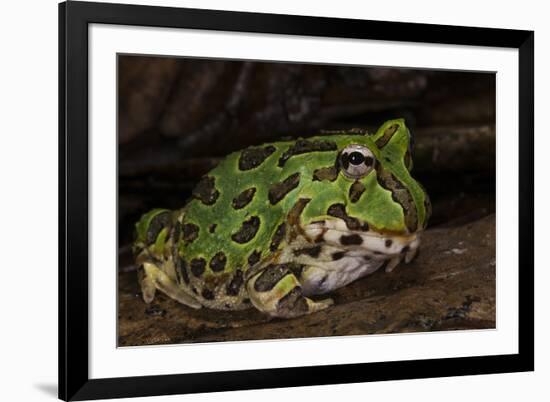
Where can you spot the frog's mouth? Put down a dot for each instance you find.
(370, 244)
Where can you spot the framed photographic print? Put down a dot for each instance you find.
(257, 200)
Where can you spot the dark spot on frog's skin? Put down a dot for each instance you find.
(190, 232)
(253, 157)
(387, 159)
(181, 270)
(408, 160)
(158, 223)
(296, 211)
(194, 289)
(278, 237)
(344, 160)
(388, 134)
(320, 237)
(326, 173)
(206, 191)
(296, 269)
(356, 191)
(338, 255)
(400, 195)
(244, 198)
(278, 191)
(217, 263)
(369, 161)
(235, 285)
(293, 218)
(254, 257)
(197, 266)
(339, 211)
(212, 227)
(349, 240)
(270, 276)
(405, 249)
(246, 300)
(248, 230)
(176, 233)
(306, 146)
(311, 251)
(293, 302)
(207, 294)
(388, 242)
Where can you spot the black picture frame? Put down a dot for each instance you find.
(74, 19)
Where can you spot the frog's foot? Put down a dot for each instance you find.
(407, 257)
(275, 290)
(152, 278)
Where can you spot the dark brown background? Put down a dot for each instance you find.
(178, 116)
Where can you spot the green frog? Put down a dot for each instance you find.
(274, 224)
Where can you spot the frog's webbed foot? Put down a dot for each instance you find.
(152, 278)
(275, 290)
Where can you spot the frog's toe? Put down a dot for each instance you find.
(148, 288)
(407, 258)
(276, 291)
(391, 264)
(319, 304)
(411, 254)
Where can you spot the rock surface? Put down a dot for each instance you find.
(449, 286)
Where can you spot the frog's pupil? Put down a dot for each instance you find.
(356, 158)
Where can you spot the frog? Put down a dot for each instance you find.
(278, 226)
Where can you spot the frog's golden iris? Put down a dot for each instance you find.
(276, 223)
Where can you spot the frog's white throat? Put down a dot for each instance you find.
(336, 255)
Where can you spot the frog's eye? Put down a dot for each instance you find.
(356, 161)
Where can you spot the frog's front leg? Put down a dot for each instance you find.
(276, 290)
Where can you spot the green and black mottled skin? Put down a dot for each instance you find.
(245, 238)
